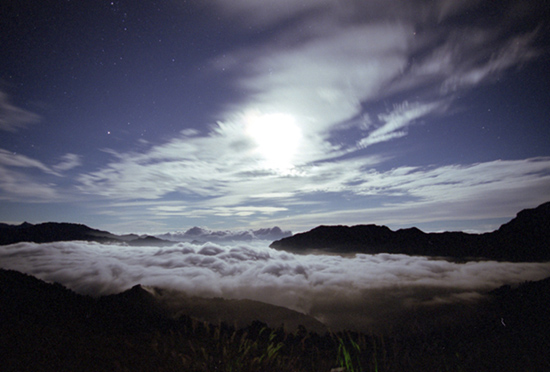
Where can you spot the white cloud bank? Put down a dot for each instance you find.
(333, 288)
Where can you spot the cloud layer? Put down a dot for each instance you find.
(337, 290)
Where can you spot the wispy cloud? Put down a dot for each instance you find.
(13, 118)
(482, 64)
(12, 159)
(19, 181)
(254, 12)
(68, 161)
(395, 123)
(17, 186)
(414, 195)
(458, 182)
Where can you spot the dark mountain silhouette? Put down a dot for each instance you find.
(54, 231)
(135, 309)
(524, 238)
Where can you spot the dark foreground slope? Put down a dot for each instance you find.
(524, 238)
(45, 327)
(54, 231)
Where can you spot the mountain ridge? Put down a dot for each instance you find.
(64, 231)
(137, 308)
(524, 238)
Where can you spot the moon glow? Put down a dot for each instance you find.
(277, 137)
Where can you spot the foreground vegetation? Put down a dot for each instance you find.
(45, 327)
(196, 346)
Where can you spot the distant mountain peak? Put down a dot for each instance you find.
(203, 234)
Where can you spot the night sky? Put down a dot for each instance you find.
(152, 116)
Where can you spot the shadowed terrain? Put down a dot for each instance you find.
(524, 238)
(54, 231)
(45, 327)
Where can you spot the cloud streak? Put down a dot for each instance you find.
(255, 272)
(68, 161)
(395, 123)
(12, 159)
(17, 185)
(13, 118)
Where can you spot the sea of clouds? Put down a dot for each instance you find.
(342, 291)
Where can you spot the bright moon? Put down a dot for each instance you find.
(277, 137)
